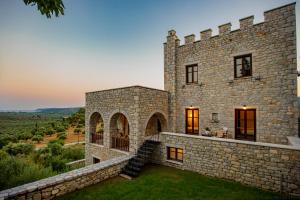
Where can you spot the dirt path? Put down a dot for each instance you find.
(71, 138)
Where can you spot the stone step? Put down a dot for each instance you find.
(137, 164)
(130, 172)
(133, 168)
(125, 176)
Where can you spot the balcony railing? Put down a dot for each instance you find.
(120, 143)
(97, 138)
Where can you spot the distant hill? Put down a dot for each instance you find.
(58, 110)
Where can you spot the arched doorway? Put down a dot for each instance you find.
(119, 132)
(96, 128)
(156, 124)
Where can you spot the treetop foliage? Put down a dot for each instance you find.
(48, 7)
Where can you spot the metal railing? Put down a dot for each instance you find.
(97, 138)
(154, 138)
(120, 143)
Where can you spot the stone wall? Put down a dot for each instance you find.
(55, 186)
(137, 103)
(263, 165)
(271, 90)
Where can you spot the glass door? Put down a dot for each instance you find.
(192, 121)
(245, 124)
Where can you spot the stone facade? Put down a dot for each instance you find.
(268, 166)
(55, 186)
(271, 90)
(138, 104)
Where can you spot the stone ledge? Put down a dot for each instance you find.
(233, 141)
(54, 180)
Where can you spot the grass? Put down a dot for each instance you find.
(160, 182)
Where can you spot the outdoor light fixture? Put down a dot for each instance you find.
(191, 106)
(244, 107)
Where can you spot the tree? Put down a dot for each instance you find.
(37, 138)
(48, 7)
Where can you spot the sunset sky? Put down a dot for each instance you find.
(100, 44)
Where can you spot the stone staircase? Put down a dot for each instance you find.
(136, 163)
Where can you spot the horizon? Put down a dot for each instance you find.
(97, 45)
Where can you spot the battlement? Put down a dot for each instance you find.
(245, 24)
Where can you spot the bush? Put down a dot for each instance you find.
(72, 153)
(61, 142)
(3, 155)
(77, 130)
(62, 135)
(37, 138)
(16, 171)
(18, 148)
(42, 156)
(24, 136)
(50, 131)
(60, 129)
(5, 139)
(58, 164)
(55, 148)
(40, 133)
(79, 126)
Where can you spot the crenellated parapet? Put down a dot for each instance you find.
(244, 24)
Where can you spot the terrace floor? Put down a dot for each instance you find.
(160, 182)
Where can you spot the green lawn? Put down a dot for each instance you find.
(160, 182)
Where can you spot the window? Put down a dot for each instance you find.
(245, 124)
(192, 74)
(214, 117)
(243, 66)
(175, 154)
(96, 160)
(192, 120)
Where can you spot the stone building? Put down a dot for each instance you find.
(240, 84)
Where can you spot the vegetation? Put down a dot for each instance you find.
(48, 7)
(159, 182)
(19, 162)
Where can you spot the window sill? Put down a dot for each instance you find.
(174, 162)
(243, 77)
(97, 145)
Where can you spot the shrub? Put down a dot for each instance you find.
(55, 148)
(16, 171)
(18, 148)
(72, 153)
(62, 135)
(24, 136)
(60, 129)
(50, 131)
(5, 139)
(61, 142)
(42, 156)
(37, 138)
(3, 155)
(77, 130)
(58, 164)
(79, 126)
(40, 133)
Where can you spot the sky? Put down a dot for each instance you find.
(101, 44)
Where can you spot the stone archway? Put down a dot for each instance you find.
(157, 123)
(119, 132)
(96, 128)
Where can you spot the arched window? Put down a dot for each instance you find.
(96, 128)
(119, 132)
(157, 123)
